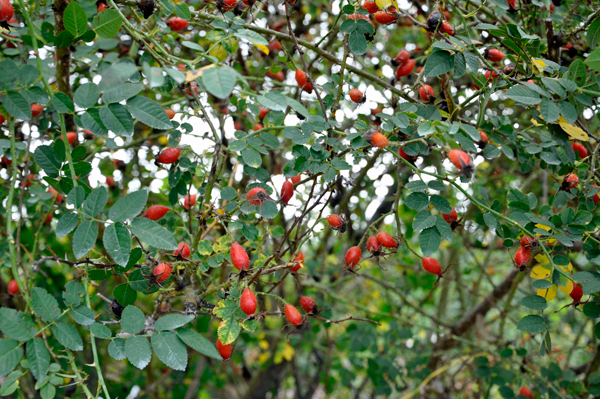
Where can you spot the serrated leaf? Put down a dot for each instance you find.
(438, 63)
(125, 294)
(44, 305)
(86, 95)
(441, 204)
(73, 293)
(47, 159)
(523, 95)
(129, 206)
(417, 201)
(117, 119)
(170, 350)
(107, 23)
(66, 224)
(63, 103)
(74, 19)
(84, 238)
(219, 81)
(229, 330)
(96, 201)
(83, 315)
(149, 112)
(138, 352)
(153, 234)
(38, 358)
(132, 319)
(67, 335)
(172, 321)
(198, 343)
(116, 349)
(424, 219)
(11, 354)
(16, 105)
(429, 240)
(117, 241)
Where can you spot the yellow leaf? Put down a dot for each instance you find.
(264, 357)
(196, 73)
(567, 269)
(540, 272)
(573, 131)
(262, 47)
(383, 327)
(543, 227)
(288, 352)
(218, 52)
(567, 290)
(162, 140)
(541, 258)
(539, 65)
(383, 4)
(535, 123)
(549, 294)
(264, 344)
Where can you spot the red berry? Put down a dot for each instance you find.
(176, 24)
(447, 28)
(102, 7)
(303, 82)
(401, 58)
(405, 69)
(169, 155)
(55, 194)
(483, 139)
(182, 250)
(48, 219)
(162, 272)
(36, 109)
(299, 261)
(6, 10)
(490, 75)
(296, 179)
(71, 136)
(596, 197)
(353, 257)
(432, 266)
(576, 294)
(379, 140)
(373, 245)
(189, 201)
(493, 55)
(337, 223)
(522, 256)
(292, 315)
(280, 76)
(224, 350)
(580, 149)
(404, 155)
(275, 46)
(462, 161)
(427, 94)
(170, 113)
(512, 4)
(528, 242)
(370, 6)
(308, 304)
(387, 240)
(194, 87)
(248, 302)
(287, 191)
(226, 5)
(239, 257)
(524, 390)
(263, 113)
(110, 182)
(357, 96)
(451, 217)
(13, 287)
(386, 17)
(571, 180)
(356, 17)
(257, 126)
(156, 212)
(257, 195)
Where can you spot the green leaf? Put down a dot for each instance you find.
(357, 43)
(523, 95)
(107, 23)
(429, 240)
(251, 36)
(91, 120)
(138, 351)
(46, 159)
(593, 60)
(550, 111)
(219, 81)
(16, 105)
(438, 63)
(132, 319)
(441, 204)
(534, 302)
(48, 391)
(117, 119)
(44, 305)
(592, 310)
(75, 19)
(251, 157)
(121, 92)
(183, 11)
(67, 335)
(116, 349)
(229, 330)
(11, 383)
(172, 321)
(590, 280)
(117, 241)
(125, 294)
(149, 112)
(86, 95)
(38, 358)
(417, 201)
(170, 350)
(83, 315)
(73, 295)
(153, 234)
(101, 331)
(129, 206)
(63, 103)
(198, 343)
(96, 201)
(10, 356)
(423, 220)
(228, 194)
(532, 324)
(84, 238)
(66, 224)
(76, 196)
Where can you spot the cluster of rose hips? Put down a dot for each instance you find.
(523, 254)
